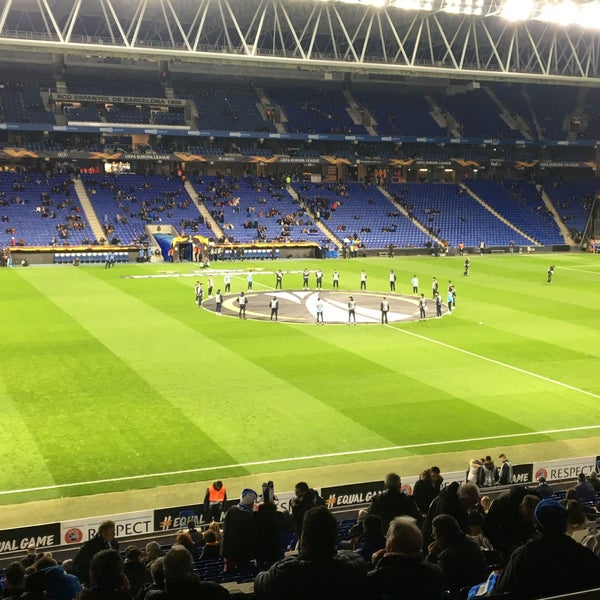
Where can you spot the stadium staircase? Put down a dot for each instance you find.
(443, 117)
(497, 214)
(413, 220)
(514, 121)
(262, 109)
(561, 225)
(322, 228)
(193, 194)
(90, 214)
(359, 116)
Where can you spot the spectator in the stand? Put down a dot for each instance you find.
(400, 571)
(508, 523)
(543, 489)
(103, 540)
(427, 488)
(157, 571)
(393, 502)
(319, 570)
(372, 539)
(181, 583)
(355, 532)
(304, 499)
(14, 585)
(577, 520)
(552, 563)
(456, 500)
(239, 532)
(30, 557)
(152, 553)
(136, 572)
(270, 524)
(585, 490)
(106, 579)
(216, 529)
(212, 546)
(61, 585)
(183, 538)
(459, 557)
(593, 479)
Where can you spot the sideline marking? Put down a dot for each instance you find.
(301, 458)
(497, 362)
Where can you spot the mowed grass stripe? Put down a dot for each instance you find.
(439, 372)
(209, 382)
(93, 415)
(346, 376)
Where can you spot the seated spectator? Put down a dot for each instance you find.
(485, 502)
(552, 563)
(459, 557)
(211, 548)
(106, 578)
(372, 538)
(318, 571)
(593, 479)
(181, 583)
(355, 532)
(393, 502)
(183, 538)
(577, 520)
(400, 572)
(60, 585)
(585, 490)
(216, 529)
(157, 571)
(14, 585)
(152, 553)
(134, 569)
(543, 490)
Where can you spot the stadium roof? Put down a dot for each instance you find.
(466, 39)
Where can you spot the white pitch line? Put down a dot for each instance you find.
(301, 458)
(577, 270)
(498, 362)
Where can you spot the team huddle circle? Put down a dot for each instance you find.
(326, 306)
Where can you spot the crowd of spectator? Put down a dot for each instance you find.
(442, 542)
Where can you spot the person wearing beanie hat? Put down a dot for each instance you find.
(550, 516)
(552, 563)
(239, 532)
(247, 499)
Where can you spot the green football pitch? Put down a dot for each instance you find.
(111, 382)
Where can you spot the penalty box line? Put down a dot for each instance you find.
(497, 362)
(262, 463)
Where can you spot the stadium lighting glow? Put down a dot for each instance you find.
(565, 13)
(517, 10)
(412, 5)
(561, 12)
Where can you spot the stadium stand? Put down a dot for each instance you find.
(520, 203)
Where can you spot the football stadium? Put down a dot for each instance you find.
(300, 241)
